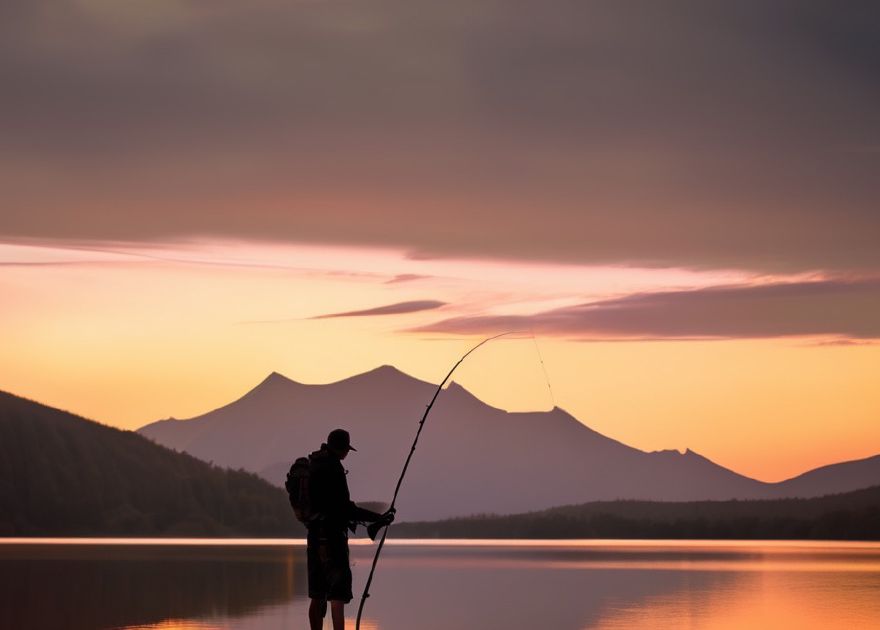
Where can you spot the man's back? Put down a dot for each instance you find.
(328, 490)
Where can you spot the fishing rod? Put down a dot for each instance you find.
(412, 450)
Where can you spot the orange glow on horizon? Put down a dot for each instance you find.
(131, 334)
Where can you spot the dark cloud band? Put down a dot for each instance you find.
(722, 134)
(841, 308)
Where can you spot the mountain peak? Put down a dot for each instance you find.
(275, 381)
(386, 369)
(382, 374)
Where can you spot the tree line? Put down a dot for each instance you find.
(62, 475)
(848, 516)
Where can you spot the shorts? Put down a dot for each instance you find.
(328, 567)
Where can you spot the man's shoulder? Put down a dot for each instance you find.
(322, 461)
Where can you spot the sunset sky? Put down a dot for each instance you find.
(679, 200)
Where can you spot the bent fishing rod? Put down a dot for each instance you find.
(412, 450)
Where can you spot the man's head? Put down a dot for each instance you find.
(339, 443)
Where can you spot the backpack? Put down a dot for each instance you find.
(297, 486)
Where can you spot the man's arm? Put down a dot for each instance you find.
(363, 515)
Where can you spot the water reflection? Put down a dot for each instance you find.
(566, 586)
(805, 601)
(522, 588)
(81, 587)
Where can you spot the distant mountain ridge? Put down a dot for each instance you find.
(849, 516)
(473, 458)
(62, 475)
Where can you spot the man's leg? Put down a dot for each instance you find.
(317, 610)
(315, 561)
(338, 572)
(337, 612)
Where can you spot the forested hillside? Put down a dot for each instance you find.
(849, 516)
(62, 475)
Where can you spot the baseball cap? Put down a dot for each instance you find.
(339, 439)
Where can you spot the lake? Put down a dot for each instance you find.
(444, 585)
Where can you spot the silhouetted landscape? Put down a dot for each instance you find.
(62, 475)
(480, 452)
(850, 516)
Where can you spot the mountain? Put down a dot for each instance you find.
(850, 516)
(832, 479)
(62, 475)
(472, 458)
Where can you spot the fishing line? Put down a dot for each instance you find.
(412, 450)
(544, 368)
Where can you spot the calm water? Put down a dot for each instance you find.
(251, 585)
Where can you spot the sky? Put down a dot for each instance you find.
(678, 202)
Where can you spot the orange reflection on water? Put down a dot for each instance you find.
(681, 555)
(445, 585)
(806, 601)
(179, 624)
(650, 585)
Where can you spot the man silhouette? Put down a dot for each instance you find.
(335, 513)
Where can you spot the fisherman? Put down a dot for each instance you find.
(328, 566)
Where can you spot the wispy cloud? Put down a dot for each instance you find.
(845, 308)
(406, 277)
(845, 343)
(397, 308)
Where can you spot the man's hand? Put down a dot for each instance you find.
(384, 521)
